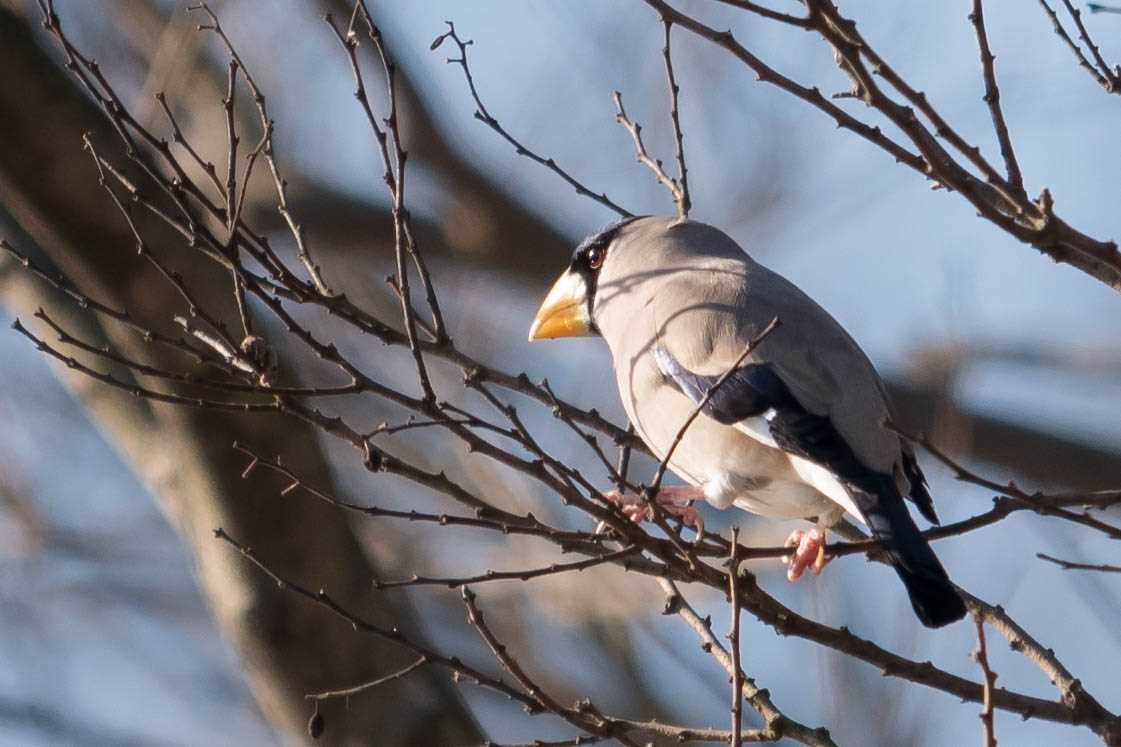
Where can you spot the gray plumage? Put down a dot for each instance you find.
(677, 303)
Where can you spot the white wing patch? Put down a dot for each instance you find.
(826, 483)
(759, 428)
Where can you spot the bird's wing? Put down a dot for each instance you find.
(807, 389)
(755, 401)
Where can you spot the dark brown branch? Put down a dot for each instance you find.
(1070, 565)
(769, 14)
(522, 575)
(685, 203)
(485, 516)
(484, 116)
(139, 391)
(303, 251)
(1110, 74)
(581, 718)
(1082, 705)
(179, 344)
(323, 599)
(389, 68)
(734, 642)
(179, 138)
(981, 656)
(1032, 222)
(643, 157)
(777, 724)
(372, 684)
(1033, 501)
(992, 98)
(1109, 80)
(394, 177)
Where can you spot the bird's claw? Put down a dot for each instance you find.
(638, 509)
(809, 552)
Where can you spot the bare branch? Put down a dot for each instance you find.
(992, 98)
(268, 127)
(1069, 565)
(366, 686)
(675, 190)
(981, 656)
(1032, 222)
(523, 575)
(685, 201)
(734, 642)
(484, 116)
(1107, 79)
(323, 599)
(581, 718)
(778, 725)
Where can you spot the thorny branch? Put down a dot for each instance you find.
(238, 378)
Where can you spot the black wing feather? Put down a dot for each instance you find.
(754, 390)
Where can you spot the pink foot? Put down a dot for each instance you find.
(675, 500)
(810, 552)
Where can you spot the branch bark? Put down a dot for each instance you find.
(287, 647)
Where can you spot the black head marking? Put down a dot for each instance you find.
(589, 255)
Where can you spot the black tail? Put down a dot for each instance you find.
(932, 594)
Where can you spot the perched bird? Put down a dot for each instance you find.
(797, 430)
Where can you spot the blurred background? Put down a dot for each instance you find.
(118, 629)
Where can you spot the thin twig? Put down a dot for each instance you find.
(522, 575)
(992, 98)
(1070, 565)
(139, 391)
(1105, 723)
(777, 724)
(1031, 222)
(179, 344)
(581, 718)
(734, 641)
(981, 656)
(439, 329)
(484, 116)
(769, 14)
(303, 250)
(684, 201)
(365, 686)
(1035, 502)
(394, 177)
(392, 635)
(1105, 81)
(1109, 74)
(679, 197)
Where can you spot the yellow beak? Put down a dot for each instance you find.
(564, 312)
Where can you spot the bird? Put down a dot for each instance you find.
(798, 428)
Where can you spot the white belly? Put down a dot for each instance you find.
(735, 465)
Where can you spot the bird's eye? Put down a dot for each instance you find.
(595, 257)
